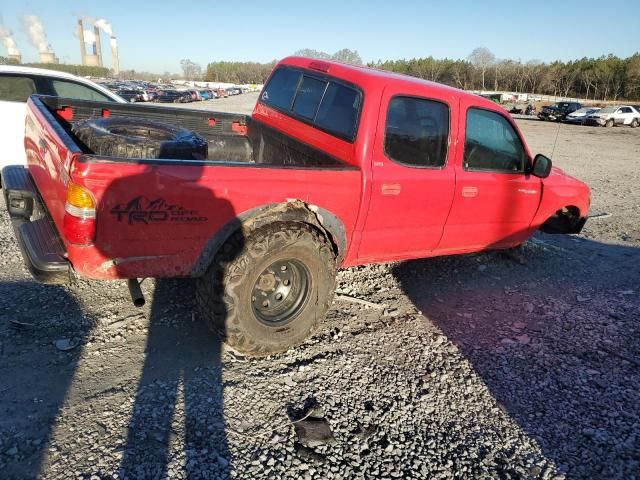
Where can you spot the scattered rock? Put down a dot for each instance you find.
(313, 432)
(64, 344)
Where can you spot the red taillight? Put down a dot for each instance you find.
(79, 231)
(212, 122)
(79, 223)
(105, 113)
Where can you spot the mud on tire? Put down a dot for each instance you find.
(139, 138)
(249, 272)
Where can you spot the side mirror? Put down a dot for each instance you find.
(541, 166)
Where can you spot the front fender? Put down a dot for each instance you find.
(559, 191)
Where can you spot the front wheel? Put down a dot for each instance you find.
(634, 123)
(268, 292)
(609, 123)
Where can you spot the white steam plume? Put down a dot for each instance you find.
(89, 36)
(34, 28)
(105, 26)
(7, 39)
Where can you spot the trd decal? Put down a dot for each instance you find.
(143, 210)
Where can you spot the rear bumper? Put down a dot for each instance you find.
(42, 249)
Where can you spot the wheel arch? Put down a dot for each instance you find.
(568, 219)
(295, 211)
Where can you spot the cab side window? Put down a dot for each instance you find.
(14, 88)
(65, 89)
(491, 143)
(417, 132)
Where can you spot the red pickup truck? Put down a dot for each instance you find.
(337, 166)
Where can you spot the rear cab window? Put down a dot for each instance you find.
(321, 101)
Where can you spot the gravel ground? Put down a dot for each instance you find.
(477, 366)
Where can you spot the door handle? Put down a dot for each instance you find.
(391, 189)
(469, 192)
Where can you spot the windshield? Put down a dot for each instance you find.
(608, 110)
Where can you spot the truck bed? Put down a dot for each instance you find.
(232, 138)
(154, 217)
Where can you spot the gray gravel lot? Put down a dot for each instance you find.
(476, 366)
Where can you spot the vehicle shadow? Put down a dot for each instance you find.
(554, 337)
(182, 372)
(34, 382)
(181, 378)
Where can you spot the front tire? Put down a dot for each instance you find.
(609, 123)
(634, 123)
(269, 292)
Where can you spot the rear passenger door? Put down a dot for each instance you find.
(412, 181)
(496, 198)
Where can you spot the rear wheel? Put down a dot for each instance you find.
(634, 123)
(269, 292)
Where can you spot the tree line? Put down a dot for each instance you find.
(604, 78)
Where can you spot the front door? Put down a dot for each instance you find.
(495, 199)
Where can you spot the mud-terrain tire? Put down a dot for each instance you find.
(609, 123)
(139, 138)
(247, 271)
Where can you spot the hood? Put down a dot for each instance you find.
(561, 176)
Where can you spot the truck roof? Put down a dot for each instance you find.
(368, 77)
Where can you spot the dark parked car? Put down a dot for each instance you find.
(173, 96)
(132, 95)
(558, 111)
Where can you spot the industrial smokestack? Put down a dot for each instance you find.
(97, 47)
(35, 30)
(7, 39)
(83, 51)
(115, 63)
(87, 36)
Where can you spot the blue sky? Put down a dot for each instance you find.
(155, 35)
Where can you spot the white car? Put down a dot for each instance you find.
(618, 115)
(17, 84)
(580, 115)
